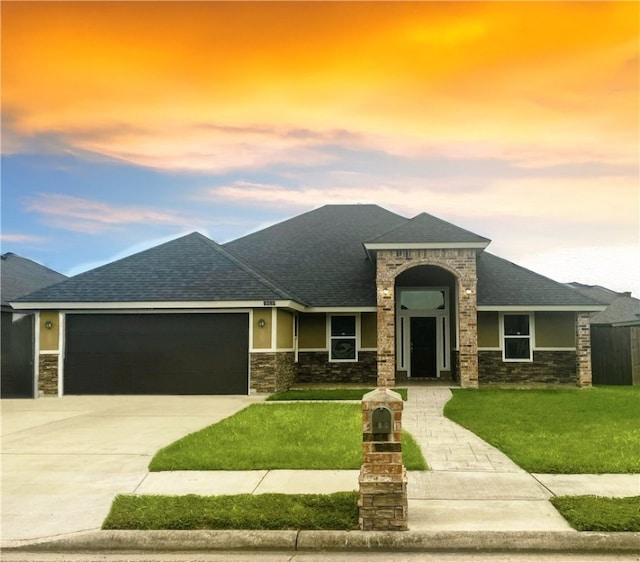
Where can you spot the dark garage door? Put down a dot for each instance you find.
(156, 354)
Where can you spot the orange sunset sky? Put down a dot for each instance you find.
(131, 122)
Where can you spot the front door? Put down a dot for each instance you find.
(423, 347)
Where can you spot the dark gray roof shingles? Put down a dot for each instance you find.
(316, 259)
(20, 276)
(427, 228)
(190, 268)
(503, 283)
(319, 255)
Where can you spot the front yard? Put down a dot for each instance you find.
(300, 436)
(567, 431)
(545, 431)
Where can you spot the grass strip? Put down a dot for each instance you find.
(327, 394)
(562, 431)
(298, 436)
(337, 511)
(595, 513)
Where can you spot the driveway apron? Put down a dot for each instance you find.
(64, 459)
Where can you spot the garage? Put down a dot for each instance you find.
(196, 353)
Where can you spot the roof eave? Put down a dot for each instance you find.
(539, 308)
(158, 305)
(374, 246)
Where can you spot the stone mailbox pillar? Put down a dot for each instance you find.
(383, 477)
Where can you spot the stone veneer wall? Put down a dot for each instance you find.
(461, 262)
(550, 367)
(583, 348)
(314, 367)
(48, 374)
(272, 371)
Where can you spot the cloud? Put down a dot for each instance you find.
(21, 238)
(587, 199)
(615, 267)
(229, 87)
(95, 217)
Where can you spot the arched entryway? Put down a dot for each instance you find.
(455, 270)
(426, 327)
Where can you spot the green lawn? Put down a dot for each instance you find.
(312, 435)
(592, 513)
(328, 394)
(581, 431)
(264, 511)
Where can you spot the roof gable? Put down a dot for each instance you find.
(427, 231)
(190, 268)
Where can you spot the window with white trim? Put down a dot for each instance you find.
(343, 346)
(516, 330)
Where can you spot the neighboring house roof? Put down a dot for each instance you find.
(425, 229)
(191, 268)
(503, 283)
(21, 276)
(316, 259)
(622, 309)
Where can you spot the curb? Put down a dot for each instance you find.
(435, 541)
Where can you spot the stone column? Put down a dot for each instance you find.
(386, 331)
(48, 374)
(583, 349)
(383, 477)
(468, 333)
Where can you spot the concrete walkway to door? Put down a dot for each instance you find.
(471, 485)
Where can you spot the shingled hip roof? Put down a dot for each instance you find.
(192, 268)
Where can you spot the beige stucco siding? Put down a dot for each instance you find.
(368, 330)
(488, 329)
(262, 336)
(49, 338)
(312, 331)
(284, 330)
(555, 329)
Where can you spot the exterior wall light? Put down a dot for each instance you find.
(48, 324)
(385, 292)
(261, 323)
(468, 291)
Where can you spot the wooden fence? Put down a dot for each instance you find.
(615, 354)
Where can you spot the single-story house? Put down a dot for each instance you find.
(615, 336)
(20, 276)
(343, 293)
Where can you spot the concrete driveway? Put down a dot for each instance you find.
(64, 459)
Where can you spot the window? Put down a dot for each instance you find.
(343, 339)
(517, 337)
(424, 299)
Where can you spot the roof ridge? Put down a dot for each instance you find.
(432, 218)
(260, 277)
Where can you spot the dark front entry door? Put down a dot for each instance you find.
(423, 347)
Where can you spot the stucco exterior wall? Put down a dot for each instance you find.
(262, 336)
(312, 331)
(284, 339)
